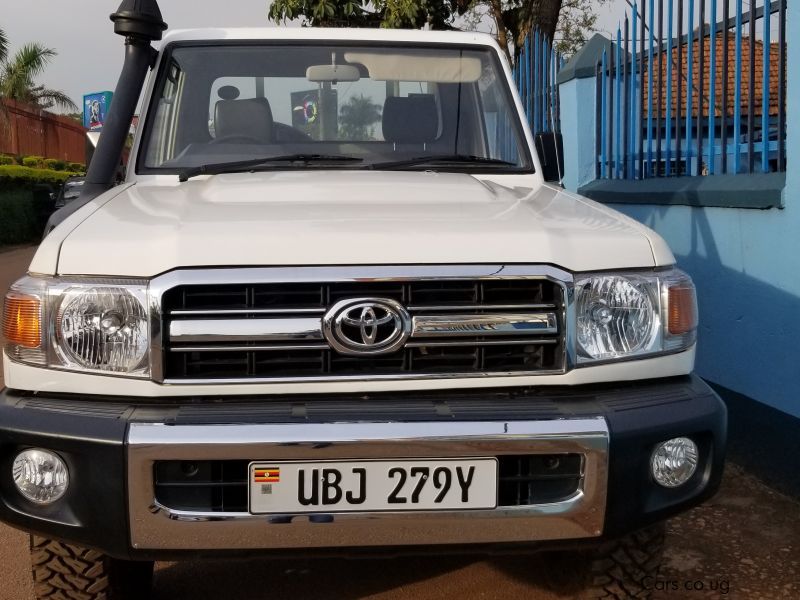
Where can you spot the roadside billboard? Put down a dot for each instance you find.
(95, 108)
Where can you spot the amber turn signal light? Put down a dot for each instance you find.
(682, 317)
(22, 320)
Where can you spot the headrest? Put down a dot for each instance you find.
(411, 120)
(250, 118)
(228, 92)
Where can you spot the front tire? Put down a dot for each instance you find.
(621, 568)
(64, 571)
(626, 567)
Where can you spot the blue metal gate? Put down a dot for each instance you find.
(535, 72)
(712, 101)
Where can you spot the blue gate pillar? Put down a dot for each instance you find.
(577, 92)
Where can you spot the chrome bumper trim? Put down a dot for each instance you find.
(155, 527)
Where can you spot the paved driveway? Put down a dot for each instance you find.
(744, 543)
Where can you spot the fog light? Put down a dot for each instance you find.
(674, 461)
(41, 476)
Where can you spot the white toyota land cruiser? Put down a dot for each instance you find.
(334, 305)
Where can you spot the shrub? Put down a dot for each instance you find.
(25, 202)
(19, 219)
(7, 160)
(55, 164)
(20, 176)
(76, 167)
(34, 162)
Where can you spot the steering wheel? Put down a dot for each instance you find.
(237, 138)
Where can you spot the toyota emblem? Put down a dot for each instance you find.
(364, 326)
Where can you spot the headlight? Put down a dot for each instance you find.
(103, 328)
(97, 325)
(624, 315)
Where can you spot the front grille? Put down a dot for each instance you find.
(221, 485)
(310, 358)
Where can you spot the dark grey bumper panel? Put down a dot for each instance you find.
(102, 441)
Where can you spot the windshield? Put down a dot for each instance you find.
(334, 106)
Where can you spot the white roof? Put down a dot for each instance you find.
(333, 34)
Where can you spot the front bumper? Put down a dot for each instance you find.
(110, 446)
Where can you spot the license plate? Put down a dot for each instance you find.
(372, 485)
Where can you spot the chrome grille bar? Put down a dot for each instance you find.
(503, 342)
(485, 325)
(425, 344)
(204, 331)
(481, 307)
(248, 311)
(319, 311)
(209, 331)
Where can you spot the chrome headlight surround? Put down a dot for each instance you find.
(624, 315)
(87, 325)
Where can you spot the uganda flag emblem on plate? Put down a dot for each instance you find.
(267, 475)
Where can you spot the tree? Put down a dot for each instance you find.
(512, 20)
(3, 46)
(392, 14)
(576, 20)
(566, 23)
(19, 72)
(356, 118)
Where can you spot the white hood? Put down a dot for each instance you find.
(349, 217)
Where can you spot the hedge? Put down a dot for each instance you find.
(34, 162)
(25, 202)
(20, 217)
(37, 162)
(14, 174)
(55, 164)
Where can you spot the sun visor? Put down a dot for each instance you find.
(423, 66)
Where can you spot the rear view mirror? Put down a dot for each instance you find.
(550, 148)
(332, 73)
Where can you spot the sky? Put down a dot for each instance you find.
(90, 54)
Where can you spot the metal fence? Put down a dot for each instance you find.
(535, 72)
(712, 101)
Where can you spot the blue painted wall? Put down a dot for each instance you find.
(746, 264)
(576, 132)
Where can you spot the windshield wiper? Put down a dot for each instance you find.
(253, 163)
(442, 159)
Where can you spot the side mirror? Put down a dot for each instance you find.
(550, 148)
